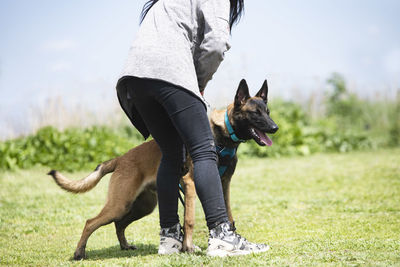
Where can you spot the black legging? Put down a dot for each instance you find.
(177, 118)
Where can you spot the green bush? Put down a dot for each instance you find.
(394, 118)
(72, 149)
(298, 134)
(76, 149)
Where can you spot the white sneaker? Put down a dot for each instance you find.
(223, 241)
(170, 240)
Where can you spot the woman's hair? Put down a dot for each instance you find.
(237, 8)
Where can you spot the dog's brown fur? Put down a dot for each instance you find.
(132, 190)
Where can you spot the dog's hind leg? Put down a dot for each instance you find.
(118, 204)
(142, 206)
(107, 215)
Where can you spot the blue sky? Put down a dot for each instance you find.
(76, 49)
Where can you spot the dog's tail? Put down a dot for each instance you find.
(87, 183)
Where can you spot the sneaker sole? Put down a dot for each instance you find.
(224, 253)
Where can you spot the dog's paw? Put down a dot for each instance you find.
(191, 249)
(79, 256)
(128, 247)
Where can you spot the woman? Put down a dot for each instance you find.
(179, 46)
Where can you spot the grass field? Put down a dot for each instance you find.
(329, 209)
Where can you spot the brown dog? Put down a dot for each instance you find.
(132, 190)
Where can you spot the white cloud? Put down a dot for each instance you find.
(60, 45)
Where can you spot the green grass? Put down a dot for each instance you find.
(329, 209)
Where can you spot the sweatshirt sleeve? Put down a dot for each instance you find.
(216, 39)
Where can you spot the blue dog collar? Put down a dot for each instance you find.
(230, 129)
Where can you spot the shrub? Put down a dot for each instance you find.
(72, 149)
(299, 135)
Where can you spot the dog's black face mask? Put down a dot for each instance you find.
(250, 116)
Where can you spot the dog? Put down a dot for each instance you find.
(132, 192)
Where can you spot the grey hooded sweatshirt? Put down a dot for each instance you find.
(181, 42)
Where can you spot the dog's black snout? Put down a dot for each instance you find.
(274, 128)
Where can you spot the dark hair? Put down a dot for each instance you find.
(146, 8)
(237, 8)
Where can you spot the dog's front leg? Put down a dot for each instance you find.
(190, 198)
(225, 187)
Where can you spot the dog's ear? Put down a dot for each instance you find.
(242, 93)
(263, 93)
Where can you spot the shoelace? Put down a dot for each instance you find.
(240, 239)
(243, 240)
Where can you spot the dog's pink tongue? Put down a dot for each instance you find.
(264, 138)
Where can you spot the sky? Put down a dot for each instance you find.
(74, 51)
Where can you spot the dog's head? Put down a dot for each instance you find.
(250, 115)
